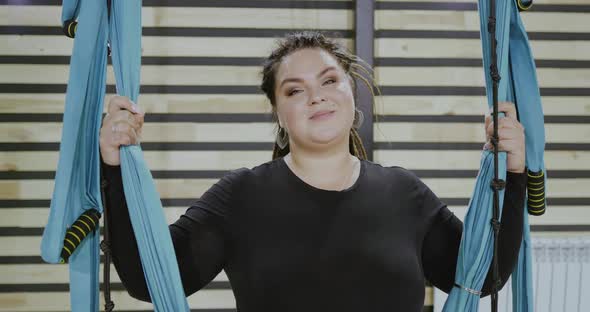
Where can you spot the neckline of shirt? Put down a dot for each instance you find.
(312, 188)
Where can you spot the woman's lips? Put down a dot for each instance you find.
(323, 116)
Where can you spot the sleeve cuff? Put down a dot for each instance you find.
(519, 178)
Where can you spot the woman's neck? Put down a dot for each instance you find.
(329, 169)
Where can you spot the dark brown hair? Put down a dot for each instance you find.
(352, 65)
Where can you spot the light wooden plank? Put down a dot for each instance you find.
(150, 74)
(463, 187)
(39, 15)
(470, 160)
(9, 217)
(472, 105)
(469, 21)
(151, 103)
(151, 46)
(535, 2)
(152, 132)
(42, 189)
(263, 132)
(37, 217)
(229, 160)
(55, 273)
(474, 77)
(471, 48)
(194, 188)
(250, 75)
(256, 103)
(60, 301)
(473, 132)
(156, 160)
(554, 215)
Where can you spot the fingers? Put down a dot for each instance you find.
(508, 108)
(123, 134)
(118, 103)
(506, 145)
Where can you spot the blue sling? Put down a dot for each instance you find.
(516, 82)
(71, 233)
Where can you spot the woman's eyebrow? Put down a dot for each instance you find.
(325, 70)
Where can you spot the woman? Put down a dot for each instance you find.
(318, 228)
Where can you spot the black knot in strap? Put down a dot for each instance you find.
(494, 73)
(498, 184)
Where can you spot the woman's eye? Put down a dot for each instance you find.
(330, 80)
(292, 92)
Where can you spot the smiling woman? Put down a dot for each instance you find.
(319, 227)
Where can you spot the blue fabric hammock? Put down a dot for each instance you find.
(518, 84)
(71, 233)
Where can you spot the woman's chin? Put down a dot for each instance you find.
(326, 136)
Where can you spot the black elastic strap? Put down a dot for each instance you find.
(105, 247)
(496, 184)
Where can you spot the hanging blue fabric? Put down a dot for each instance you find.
(145, 208)
(518, 84)
(71, 232)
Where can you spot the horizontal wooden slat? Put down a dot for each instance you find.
(470, 160)
(469, 20)
(250, 75)
(474, 77)
(151, 46)
(457, 132)
(51, 301)
(150, 103)
(193, 188)
(471, 105)
(554, 215)
(453, 1)
(263, 132)
(198, 17)
(155, 131)
(229, 160)
(37, 217)
(257, 103)
(173, 160)
(53, 273)
(471, 48)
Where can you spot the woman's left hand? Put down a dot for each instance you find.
(511, 137)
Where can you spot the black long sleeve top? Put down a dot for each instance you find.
(288, 246)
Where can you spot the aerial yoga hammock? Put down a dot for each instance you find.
(72, 236)
(510, 76)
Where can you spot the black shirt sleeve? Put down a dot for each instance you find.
(198, 236)
(440, 247)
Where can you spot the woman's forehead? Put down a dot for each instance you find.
(305, 62)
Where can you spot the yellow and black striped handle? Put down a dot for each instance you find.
(70, 28)
(85, 224)
(536, 193)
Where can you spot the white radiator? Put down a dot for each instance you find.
(561, 278)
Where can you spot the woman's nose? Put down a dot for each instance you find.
(317, 97)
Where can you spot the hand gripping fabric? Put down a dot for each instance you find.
(516, 82)
(77, 188)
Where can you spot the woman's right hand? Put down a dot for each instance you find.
(121, 126)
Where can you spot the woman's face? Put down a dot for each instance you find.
(308, 82)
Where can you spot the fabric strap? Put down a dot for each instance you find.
(518, 84)
(77, 182)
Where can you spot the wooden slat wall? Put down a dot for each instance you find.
(198, 82)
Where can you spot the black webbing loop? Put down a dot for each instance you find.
(497, 184)
(106, 248)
